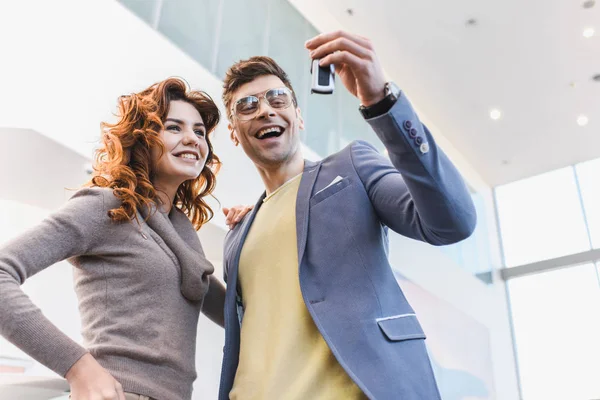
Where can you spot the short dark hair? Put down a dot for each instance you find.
(245, 71)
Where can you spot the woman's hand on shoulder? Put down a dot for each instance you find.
(235, 214)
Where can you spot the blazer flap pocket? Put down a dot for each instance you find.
(401, 327)
(329, 191)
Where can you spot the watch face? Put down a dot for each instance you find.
(393, 89)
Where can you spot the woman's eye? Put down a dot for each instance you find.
(199, 133)
(173, 128)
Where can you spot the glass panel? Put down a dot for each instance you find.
(142, 8)
(541, 218)
(304, 92)
(242, 33)
(321, 124)
(473, 253)
(191, 25)
(320, 117)
(287, 46)
(354, 126)
(556, 319)
(588, 174)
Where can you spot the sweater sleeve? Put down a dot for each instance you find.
(72, 230)
(214, 302)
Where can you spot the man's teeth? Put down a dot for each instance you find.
(187, 155)
(263, 132)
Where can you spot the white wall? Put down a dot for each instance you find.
(65, 63)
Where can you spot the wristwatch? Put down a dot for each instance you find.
(392, 93)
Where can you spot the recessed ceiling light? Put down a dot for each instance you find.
(582, 120)
(495, 114)
(588, 32)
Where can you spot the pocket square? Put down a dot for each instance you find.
(333, 182)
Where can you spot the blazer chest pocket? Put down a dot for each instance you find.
(401, 327)
(329, 191)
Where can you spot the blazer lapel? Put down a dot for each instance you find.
(309, 176)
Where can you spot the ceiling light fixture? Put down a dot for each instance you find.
(589, 3)
(588, 32)
(582, 120)
(495, 114)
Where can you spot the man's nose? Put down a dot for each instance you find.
(264, 109)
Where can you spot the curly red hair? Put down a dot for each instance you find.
(123, 161)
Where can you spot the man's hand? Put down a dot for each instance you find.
(355, 62)
(89, 381)
(235, 214)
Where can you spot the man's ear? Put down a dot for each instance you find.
(233, 135)
(300, 119)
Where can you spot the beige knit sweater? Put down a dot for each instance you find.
(140, 289)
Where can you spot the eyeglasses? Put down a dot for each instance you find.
(247, 107)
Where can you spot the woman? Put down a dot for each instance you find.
(140, 274)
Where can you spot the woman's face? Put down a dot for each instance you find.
(186, 149)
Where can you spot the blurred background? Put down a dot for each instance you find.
(510, 91)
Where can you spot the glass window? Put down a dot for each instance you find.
(541, 218)
(287, 46)
(321, 113)
(588, 174)
(142, 8)
(473, 253)
(191, 25)
(557, 326)
(321, 124)
(243, 32)
(353, 125)
(478, 248)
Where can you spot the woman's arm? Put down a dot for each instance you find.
(214, 302)
(71, 231)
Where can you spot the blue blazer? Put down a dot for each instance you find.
(344, 207)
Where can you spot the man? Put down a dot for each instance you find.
(313, 310)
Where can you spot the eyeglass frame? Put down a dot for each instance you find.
(263, 96)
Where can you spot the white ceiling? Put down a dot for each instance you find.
(527, 58)
(521, 57)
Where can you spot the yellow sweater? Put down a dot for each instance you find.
(283, 356)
